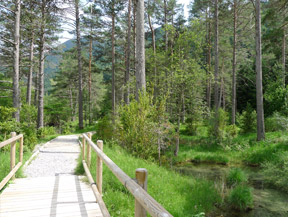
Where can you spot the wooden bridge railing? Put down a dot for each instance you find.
(13, 169)
(143, 201)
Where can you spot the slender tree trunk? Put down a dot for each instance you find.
(127, 72)
(90, 79)
(284, 57)
(16, 90)
(216, 82)
(234, 64)
(134, 34)
(79, 65)
(140, 49)
(30, 76)
(178, 134)
(40, 119)
(113, 66)
(208, 96)
(259, 88)
(165, 22)
(36, 88)
(154, 53)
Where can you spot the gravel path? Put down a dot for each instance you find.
(56, 157)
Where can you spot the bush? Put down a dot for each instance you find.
(65, 127)
(240, 197)
(247, 120)
(232, 131)
(104, 128)
(217, 124)
(30, 135)
(45, 131)
(276, 123)
(236, 176)
(277, 172)
(142, 127)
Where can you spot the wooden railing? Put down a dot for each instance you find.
(13, 169)
(143, 201)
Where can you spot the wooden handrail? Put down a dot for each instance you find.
(13, 169)
(143, 198)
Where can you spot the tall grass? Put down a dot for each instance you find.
(181, 196)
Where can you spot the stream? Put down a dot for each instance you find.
(268, 202)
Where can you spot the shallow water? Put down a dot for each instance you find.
(268, 202)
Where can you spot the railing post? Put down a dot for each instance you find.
(12, 154)
(99, 168)
(21, 149)
(83, 148)
(88, 154)
(141, 177)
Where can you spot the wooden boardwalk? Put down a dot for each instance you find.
(60, 195)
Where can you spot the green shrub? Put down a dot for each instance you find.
(66, 127)
(45, 131)
(30, 135)
(276, 123)
(236, 176)
(276, 172)
(104, 129)
(247, 120)
(241, 197)
(142, 127)
(218, 123)
(232, 131)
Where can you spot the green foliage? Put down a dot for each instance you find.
(45, 131)
(232, 131)
(190, 196)
(217, 124)
(247, 120)
(277, 122)
(142, 126)
(104, 128)
(241, 198)
(276, 172)
(210, 158)
(236, 176)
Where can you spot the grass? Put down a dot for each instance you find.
(241, 198)
(236, 176)
(180, 195)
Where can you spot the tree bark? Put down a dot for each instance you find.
(40, 119)
(30, 76)
(16, 90)
(208, 91)
(216, 81)
(165, 22)
(234, 63)
(140, 49)
(284, 57)
(259, 88)
(154, 53)
(79, 65)
(127, 72)
(113, 66)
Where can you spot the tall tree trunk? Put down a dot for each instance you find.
(36, 81)
(140, 49)
(259, 88)
(113, 66)
(40, 119)
(284, 56)
(134, 34)
(154, 53)
(30, 76)
(216, 82)
(79, 65)
(234, 64)
(165, 22)
(208, 94)
(127, 72)
(90, 79)
(16, 90)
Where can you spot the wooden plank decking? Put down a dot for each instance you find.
(61, 195)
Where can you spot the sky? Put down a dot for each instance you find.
(65, 36)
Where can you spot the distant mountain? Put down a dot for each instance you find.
(53, 60)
